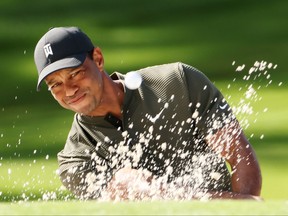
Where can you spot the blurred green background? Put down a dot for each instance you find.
(215, 36)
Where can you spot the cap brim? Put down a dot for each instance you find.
(69, 62)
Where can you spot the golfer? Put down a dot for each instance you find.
(173, 137)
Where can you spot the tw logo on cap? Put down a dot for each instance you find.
(48, 50)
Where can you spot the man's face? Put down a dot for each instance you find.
(78, 89)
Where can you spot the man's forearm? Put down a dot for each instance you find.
(231, 195)
(247, 181)
(246, 174)
(231, 143)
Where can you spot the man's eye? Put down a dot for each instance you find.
(75, 74)
(53, 86)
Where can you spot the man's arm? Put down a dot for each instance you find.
(85, 181)
(246, 179)
(230, 142)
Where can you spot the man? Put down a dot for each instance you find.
(167, 139)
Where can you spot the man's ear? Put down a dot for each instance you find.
(98, 58)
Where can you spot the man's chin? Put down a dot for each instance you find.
(83, 110)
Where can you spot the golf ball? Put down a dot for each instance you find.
(133, 80)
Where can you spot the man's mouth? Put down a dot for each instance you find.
(76, 99)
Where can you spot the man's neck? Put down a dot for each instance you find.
(112, 100)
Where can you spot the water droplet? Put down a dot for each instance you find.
(195, 114)
(240, 68)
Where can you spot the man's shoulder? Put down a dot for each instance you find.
(178, 68)
(162, 72)
(155, 72)
(163, 67)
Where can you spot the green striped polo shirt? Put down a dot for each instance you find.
(163, 129)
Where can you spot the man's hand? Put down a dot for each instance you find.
(129, 184)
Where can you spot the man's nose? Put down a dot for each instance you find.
(70, 89)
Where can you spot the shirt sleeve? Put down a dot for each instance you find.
(82, 171)
(210, 110)
(86, 180)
